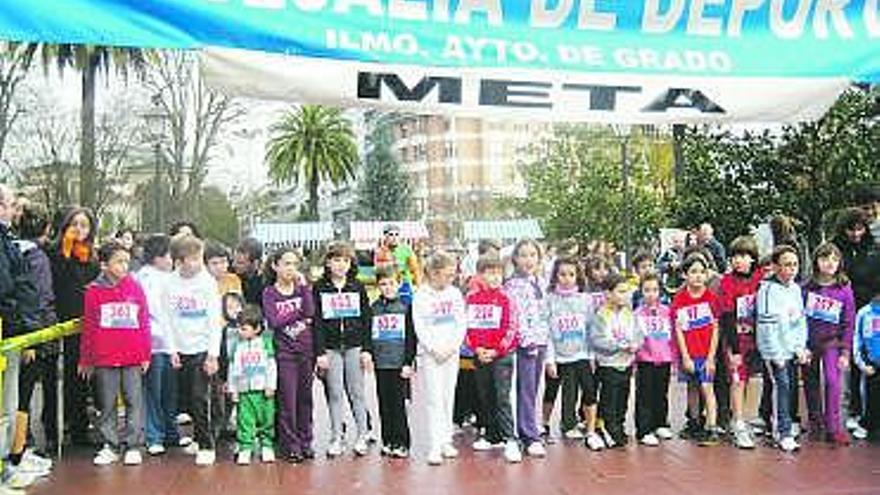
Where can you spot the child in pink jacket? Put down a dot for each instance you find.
(115, 350)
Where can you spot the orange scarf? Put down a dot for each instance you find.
(71, 246)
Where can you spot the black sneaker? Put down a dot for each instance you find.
(710, 438)
(294, 458)
(308, 454)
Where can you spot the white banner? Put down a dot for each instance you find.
(521, 94)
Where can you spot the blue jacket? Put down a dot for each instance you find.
(866, 337)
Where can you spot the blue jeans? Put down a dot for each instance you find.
(161, 394)
(781, 379)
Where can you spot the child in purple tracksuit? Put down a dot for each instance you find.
(829, 305)
(288, 308)
(530, 317)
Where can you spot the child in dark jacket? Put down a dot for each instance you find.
(115, 348)
(393, 351)
(493, 339)
(342, 342)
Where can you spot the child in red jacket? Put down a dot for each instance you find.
(115, 349)
(492, 337)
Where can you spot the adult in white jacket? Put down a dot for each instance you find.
(782, 336)
(440, 323)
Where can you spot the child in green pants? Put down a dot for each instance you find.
(252, 380)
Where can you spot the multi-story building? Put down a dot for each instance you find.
(459, 167)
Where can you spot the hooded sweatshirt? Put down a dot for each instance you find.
(193, 313)
(570, 315)
(866, 337)
(116, 324)
(781, 325)
(736, 301)
(489, 325)
(613, 333)
(394, 338)
(252, 366)
(342, 316)
(155, 283)
(41, 270)
(831, 313)
(529, 310)
(439, 319)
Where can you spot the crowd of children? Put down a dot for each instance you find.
(178, 335)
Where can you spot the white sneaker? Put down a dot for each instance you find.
(650, 440)
(536, 449)
(664, 433)
(400, 452)
(435, 458)
(206, 458)
(574, 434)
(742, 438)
(31, 457)
(105, 457)
(594, 442)
(243, 458)
(361, 447)
(191, 449)
(156, 449)
(796, 430)
(132, 457)
(16, 482)
(859, 433)
(267, 455)
(185, 441)
(512, 452)
(852, 423)
(334, 449)
(482, 445)
(184, 419)
(33, 468)
(449, 451)
(788, 444)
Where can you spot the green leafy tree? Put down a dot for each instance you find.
(808, 171)
(576, 186)
(216, 218)
(384, 192)
(313, 144)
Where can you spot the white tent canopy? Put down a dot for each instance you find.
(305, 234)
(503, 229)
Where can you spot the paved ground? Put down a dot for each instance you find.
(677, 467)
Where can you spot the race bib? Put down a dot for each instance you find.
(484, 316)
(443, 312)
(253, 366)
(120, 316)
(389, 327)
(656, 327)
(339, 305)
(570, 331)
(188, 307)
(823, 308)
(696, 316)
(745, 307)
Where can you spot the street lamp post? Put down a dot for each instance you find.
(624, 132)
(155, 119)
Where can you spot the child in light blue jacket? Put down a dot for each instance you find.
(782, 335)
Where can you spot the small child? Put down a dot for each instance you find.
(440, 323)
(289, 308)
(829, 305)
(342, 342)
(643, 264)
(570, 355)
(393, 350)
(526, 291)
(161, 380)
(866, 354)
(654, 363)
(782, 336)
(737, 302)
(232, 303)
(616, 338)
(115, 348)
(252, 380)
(193, 313)
(694, 311)
(493, 339)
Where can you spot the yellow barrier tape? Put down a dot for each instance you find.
(55, 332)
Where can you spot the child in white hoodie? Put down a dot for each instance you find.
(782, 335)
(440, 323)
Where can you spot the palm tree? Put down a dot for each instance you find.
(88, 59)
(313, 143)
